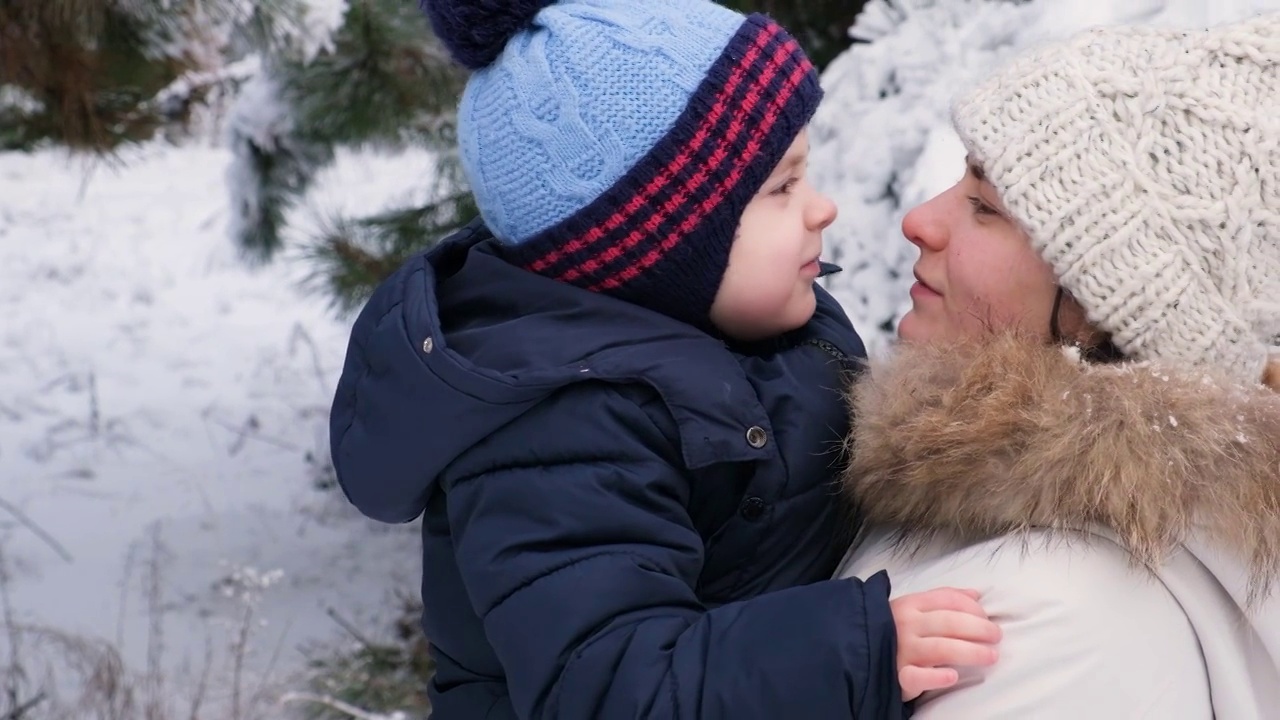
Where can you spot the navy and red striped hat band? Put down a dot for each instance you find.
(660, 235)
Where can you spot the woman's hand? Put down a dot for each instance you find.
(938, 629)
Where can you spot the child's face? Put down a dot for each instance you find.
(768, 287)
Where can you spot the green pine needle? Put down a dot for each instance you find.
(353, 255)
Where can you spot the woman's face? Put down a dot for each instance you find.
(977, 271)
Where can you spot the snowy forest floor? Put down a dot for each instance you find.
(165, 492)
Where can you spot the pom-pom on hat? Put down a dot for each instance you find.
(614, 144)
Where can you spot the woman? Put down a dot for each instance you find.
(1083, 418)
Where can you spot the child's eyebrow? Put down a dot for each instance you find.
(791, 160)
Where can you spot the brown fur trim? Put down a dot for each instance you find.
(985, 438)
(1271, 375)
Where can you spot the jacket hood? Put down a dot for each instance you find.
(1000, 435)
(459, 342)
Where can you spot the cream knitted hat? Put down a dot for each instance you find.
(1145, 166)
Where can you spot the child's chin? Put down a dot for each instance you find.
(804, 314)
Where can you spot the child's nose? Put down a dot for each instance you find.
(821, 212)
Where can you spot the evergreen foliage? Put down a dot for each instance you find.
(355, 254)
(383, 82)
(88, 74)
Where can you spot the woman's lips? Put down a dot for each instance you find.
(923, 290)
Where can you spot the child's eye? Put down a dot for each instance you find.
(786, 187)
(981, 207)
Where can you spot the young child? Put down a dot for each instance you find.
(617, 402)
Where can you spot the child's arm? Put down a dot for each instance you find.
(582, 563)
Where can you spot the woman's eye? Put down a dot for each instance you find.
(981, 207)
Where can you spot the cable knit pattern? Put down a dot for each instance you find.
(1145, 166)
(577, 99)
(615, 145)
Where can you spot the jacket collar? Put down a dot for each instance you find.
(992, 437)
(493, 345)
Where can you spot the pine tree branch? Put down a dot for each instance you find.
(354, 255)
(192, 85)
(383, 81)
(91, 66)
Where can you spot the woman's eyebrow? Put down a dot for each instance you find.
(975, 169)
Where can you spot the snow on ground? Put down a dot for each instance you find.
(163, 406)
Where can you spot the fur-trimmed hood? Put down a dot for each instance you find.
(991, 437)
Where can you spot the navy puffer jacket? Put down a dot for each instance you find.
(623, 517)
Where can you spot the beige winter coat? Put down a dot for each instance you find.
(1122, 523)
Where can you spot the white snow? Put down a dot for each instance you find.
(163, 407)
(306, 27)
(160, 400)
(320, 21)
(15, 99)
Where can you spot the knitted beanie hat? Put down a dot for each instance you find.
(614, 144)
(1145, 166)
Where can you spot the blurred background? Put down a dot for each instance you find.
(195, 197)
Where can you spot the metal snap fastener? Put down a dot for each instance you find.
(428, 345)
(757, 437)
(753, 509)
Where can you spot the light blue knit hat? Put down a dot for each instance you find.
(573, 103)
(614, 144)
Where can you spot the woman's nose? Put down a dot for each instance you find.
(924, 225)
